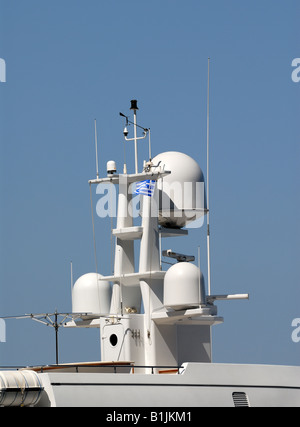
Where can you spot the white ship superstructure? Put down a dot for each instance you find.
(154, 325)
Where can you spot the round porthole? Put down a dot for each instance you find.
(113, 340)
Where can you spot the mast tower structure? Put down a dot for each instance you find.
(175, 324)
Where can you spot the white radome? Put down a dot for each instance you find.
(182, 193)
(92, 295)
(183, 286)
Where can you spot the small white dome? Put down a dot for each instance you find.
(183, 286)
(91, 295)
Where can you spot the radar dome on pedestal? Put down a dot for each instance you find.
(91, 295)
(182, 193)
(183, 286)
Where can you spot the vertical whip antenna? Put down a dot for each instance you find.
(96, 149)
(134, 107)
(150, 151)
(207, 171)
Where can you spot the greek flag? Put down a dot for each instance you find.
(145, 188)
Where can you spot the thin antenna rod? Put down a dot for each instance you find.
(207, 171)
(150, 152)
(96, 148)
(135, 144)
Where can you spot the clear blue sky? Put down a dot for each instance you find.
(69, 62)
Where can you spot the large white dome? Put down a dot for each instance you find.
(182, 193)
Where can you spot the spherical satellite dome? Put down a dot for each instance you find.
(91, 295)
(183, 286)
(182, 193)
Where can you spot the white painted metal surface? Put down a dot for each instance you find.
(199, 385)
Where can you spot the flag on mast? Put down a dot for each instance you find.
(145, 188)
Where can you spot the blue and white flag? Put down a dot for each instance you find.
(145, 188)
